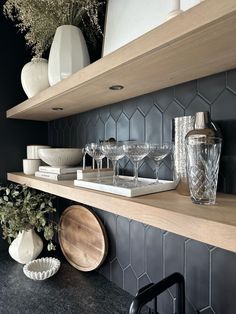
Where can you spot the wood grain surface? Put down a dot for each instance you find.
(215, 224)
(199, 42)
(82, 238)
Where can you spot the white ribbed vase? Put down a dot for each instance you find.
(34, 76)
(68, 53)
(26, 247)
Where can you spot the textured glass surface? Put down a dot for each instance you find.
(114, 152)
(157, 153)
(96, 152)
(181, 126)
(203, 155)
(136, 151)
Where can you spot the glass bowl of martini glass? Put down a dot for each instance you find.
(136, 151)
(157, 153)
(113, 151)
(95, 151)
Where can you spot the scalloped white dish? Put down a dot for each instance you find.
(42, 268)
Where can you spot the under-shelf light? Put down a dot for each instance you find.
(57, 108)
(116, 87)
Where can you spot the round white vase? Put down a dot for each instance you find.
(68, 53)
(34, 76)
(26, 247)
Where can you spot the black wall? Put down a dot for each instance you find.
(139, 253)
(14, 134)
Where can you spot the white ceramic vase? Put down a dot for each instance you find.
(34, 76)
(68, 53)
(26, 247)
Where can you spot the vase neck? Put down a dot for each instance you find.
(37, 59)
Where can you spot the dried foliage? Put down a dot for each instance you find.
(39, 19)
(23, 208)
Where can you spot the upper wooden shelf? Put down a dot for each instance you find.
(215, 224)
(198, 42)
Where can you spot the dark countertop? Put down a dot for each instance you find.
(69, 291)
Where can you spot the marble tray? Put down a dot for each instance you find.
(148, 186)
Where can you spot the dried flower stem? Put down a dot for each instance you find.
(39, 19)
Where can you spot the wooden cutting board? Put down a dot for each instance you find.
(82, 238)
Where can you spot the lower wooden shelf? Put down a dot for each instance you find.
(215, 225)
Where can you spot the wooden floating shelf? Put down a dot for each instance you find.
(215, 224)
(196, 43)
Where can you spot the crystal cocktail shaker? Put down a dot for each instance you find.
(203, 146)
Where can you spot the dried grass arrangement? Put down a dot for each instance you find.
(39, 19)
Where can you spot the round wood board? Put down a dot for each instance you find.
(82, 238)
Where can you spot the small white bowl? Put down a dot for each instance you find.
(42, 268)
(61, 157)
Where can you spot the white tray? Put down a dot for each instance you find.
(149, 186)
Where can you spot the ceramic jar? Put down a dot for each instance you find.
(34, 76)
(32, 151)
(30, 166)
(26, 247)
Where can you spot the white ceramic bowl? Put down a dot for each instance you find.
(42, 268)
(61, 157)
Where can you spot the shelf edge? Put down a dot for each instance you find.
(198, 228)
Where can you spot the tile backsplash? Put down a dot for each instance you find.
(149, 118)
(139, 253)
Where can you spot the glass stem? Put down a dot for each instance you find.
(136, 164)
(117, 168)
(98, 171)
(114, 163)
(157, 171)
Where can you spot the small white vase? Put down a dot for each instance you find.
(68, 53)
(34, 76)
(26, 247)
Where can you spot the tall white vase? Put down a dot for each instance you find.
(26, 247)
(34, 76)
(68, 53)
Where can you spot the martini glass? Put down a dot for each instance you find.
(95, 151)
(157, 153)
(136, 151)
(113, 151)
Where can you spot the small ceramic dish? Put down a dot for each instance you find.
(42, 268)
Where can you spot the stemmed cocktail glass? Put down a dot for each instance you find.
(96, 152)
(136, 151)
(113, 151)
(157, 153)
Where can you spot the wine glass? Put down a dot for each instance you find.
(157, 153)
(136, 151)
(95, 151)
(113, 151)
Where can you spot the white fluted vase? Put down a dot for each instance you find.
(26, 247)
(68, 53)
(34, 76)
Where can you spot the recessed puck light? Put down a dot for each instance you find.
(116, 87)
(57, 108)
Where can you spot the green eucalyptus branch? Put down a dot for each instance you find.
(23, 208)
